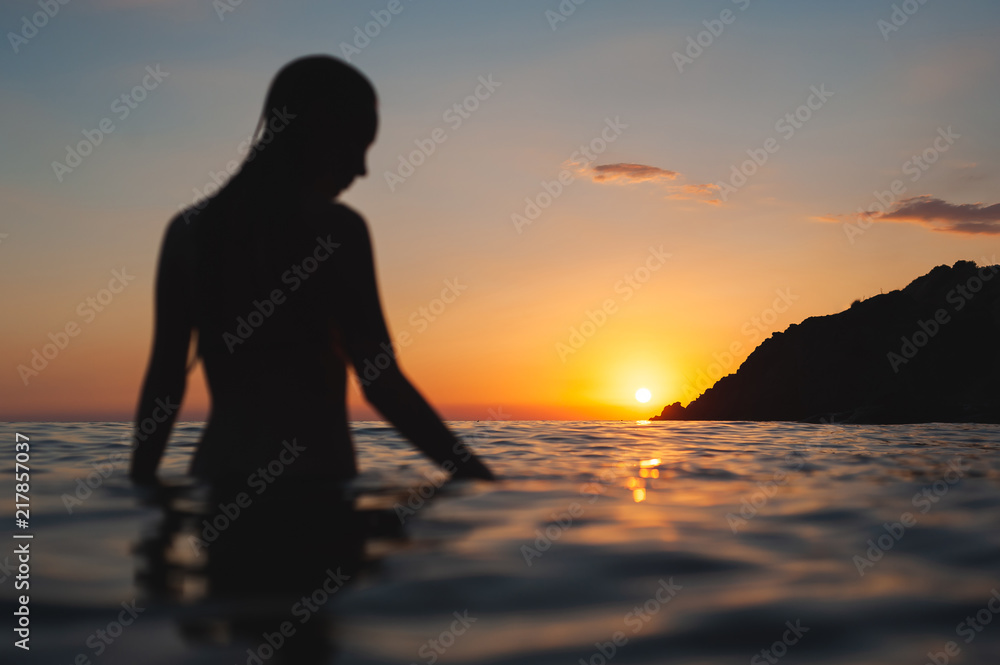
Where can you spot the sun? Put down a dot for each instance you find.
(643, 395)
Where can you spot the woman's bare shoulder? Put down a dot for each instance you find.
(177, 231)
(344, 222)
(344, 214)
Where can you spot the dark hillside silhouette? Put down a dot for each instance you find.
(927, 353)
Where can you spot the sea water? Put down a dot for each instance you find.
(603, 542)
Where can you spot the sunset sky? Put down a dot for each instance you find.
(664, 256)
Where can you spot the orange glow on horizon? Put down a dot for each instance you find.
(514, 373)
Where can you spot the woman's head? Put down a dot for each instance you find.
(319, 118)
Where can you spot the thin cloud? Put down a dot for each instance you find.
(832, 219)
(632, 173)
(706, 189)
(624, 173)
(705, 193)
(941, 215)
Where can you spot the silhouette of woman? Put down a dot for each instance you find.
(276, 283)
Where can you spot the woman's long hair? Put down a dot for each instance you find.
(242, 237)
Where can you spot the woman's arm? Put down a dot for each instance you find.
(367, 338)
(166, 374)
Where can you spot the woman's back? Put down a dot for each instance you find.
(271, 303)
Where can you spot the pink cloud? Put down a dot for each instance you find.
(632, 173)
(941, 215)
